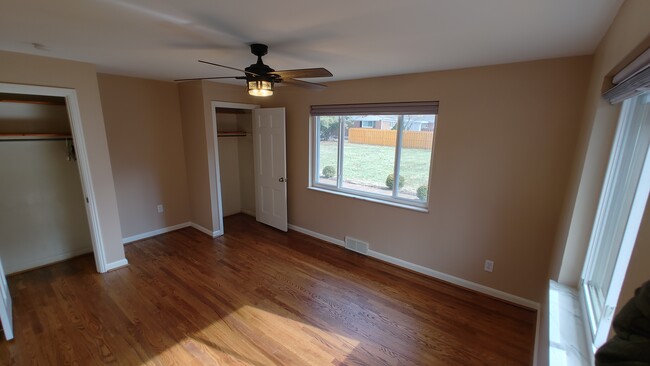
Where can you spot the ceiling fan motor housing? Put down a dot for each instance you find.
(263, 72)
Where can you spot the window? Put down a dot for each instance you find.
(367, 124)
(389, 163)
(622, 202)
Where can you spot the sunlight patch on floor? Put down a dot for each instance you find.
(249, 326)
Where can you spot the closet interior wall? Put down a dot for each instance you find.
(42, 212)
(235, 144)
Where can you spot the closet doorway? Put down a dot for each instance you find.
(251, 162)
(47, 199)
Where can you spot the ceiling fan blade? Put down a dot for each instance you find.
(212, 78)
(317, 72)
(228, 67)
(304, 84)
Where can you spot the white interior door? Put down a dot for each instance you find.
(5, 307)
(269, 147)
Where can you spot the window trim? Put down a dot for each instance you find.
(598, 319)
(400, 109)
(353, 194)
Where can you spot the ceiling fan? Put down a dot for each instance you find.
(260, 78)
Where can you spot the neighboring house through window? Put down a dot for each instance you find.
(367, 124)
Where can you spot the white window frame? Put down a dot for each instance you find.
(599, 304)
(394, 199)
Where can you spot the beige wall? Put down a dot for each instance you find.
(42, 213)
(246, 165)
(229, 164)
(34, 70)
(229, 173)
(236, 163)
(200, 147)
(145, 140)
(33, 118)
(505, 138)
(629, 29)
(196, 159)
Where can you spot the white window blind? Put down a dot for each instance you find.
(633, 80)
(403, 108)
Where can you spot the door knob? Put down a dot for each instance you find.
(282, 180)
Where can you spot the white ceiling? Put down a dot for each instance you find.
(163, 39)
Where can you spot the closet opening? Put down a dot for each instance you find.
(234, 130)
(47, 213)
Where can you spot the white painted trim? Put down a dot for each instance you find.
(149, 234)
(39, 262)
(430, 272)
(538, 322)
(215, 141)
(82, 158)
(117, 264)
(356, 195)
(200, 228)
(218, 104)
(456, 280)
(316, 235)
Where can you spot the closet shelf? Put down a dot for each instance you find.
(231, 134)
(33, 136)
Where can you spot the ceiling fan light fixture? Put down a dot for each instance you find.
(260, 88)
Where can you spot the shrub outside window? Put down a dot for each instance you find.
(388, 163)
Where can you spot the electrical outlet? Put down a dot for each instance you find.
(161, 209)
(489, 265)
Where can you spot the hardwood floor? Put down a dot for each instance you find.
(255, 296)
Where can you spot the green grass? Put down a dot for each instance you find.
(370, 164)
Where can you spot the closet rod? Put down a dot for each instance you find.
(232, 134)
(34, 136)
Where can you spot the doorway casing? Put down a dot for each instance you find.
(215, 194)
(74, 115)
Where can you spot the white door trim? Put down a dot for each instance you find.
(217, 204)
(82, 158)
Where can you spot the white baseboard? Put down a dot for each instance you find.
(13, 266)
(149, 234)
(167, 229)
(430, 272)
(117, 264)
(200, 228)
(316, 235)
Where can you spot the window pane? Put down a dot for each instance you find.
(356, 154)
(623, 188)
(328, 136)
(415, 159)
(369, 154)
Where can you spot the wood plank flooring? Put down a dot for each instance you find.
(255, 296)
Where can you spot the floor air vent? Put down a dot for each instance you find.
(356, 245)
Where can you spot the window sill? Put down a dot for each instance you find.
(568, 343)
(369, 199)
